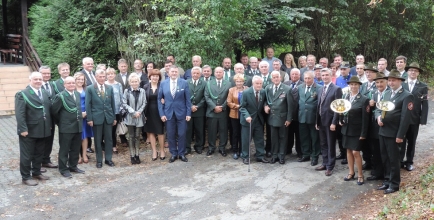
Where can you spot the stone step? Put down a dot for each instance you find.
(15, 69)
(18, 80)
(14, 75)
(13, 87)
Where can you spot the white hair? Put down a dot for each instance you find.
(239, 65)
(275, 73)
(256, 77)
(33, 74)
(264, 63)
(197, 68)
(87, 59)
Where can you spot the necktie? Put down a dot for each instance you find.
(293, 84)
(275, 90)
(307, 90)
(218, 84)
(411, 86)
(195, 83)
(91, 77)
(47, 88)
(265, 79)
(173, 88)
(226, 75)
(257, 97)
(40, 94)
(381, 96)
(73, 96)
(322, 97)
(102, 91)
(393, 94)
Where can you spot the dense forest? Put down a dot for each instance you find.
(66, 31)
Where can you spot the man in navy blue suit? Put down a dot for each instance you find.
(174, 107)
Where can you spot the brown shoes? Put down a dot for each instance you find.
(322, 167)
(30, 182)
(41, 177)
(43, 170)
(328, 172)
(49, 165)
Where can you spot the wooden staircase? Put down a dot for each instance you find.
(12, 80)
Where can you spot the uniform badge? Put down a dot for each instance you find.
(410, 106)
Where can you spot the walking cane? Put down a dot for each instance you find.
(250, 140)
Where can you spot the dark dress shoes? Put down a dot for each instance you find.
(246, 161)
(303, 159)
(263, 160)
(49, 165)
(209, 153)
(110, 163)
(370, 178)
(187, 152)
(383, 187)
(328, 172)
(76, 170)
(390, 190)
(89, 150)
(199, 151)
(30, 182)
(344, 161)
(183, 158)
(236, 156)
(273, 160)
(314, 162)
(268, 154)
(409, 167)
(172, 159)
(43, 170)
(98, 165)
(223, 153)
(67, 175)
(340, 156)
(41, 177)
(282, 161)
(322, 167)
(366, 166)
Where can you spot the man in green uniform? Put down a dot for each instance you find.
(279, 107)
(32, 112)
(100, 105)
(64, 71)
(196, 124)
(66, 107)
(216, 94)
(393, 127)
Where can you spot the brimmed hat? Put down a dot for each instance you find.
(354, 79)
(371, 67)
(345, 65)
(380, 75)
(414, 65)
(318, 66)
(395, 74)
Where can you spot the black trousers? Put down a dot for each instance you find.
(69, 150)
(328, 146)
(48, 146)
(367, 151)
(217, 125)
(122, 137)
(339, 139)
(236, 135)
(267, 135)
(101, 133)
(31, 153)
(391, 161)
(310, 146)
(195, 129)
(278, 141)
(409, 146)
(377, 163)
(293, 133)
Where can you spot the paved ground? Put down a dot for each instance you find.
(204, 188)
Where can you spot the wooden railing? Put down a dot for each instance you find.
(30, 57)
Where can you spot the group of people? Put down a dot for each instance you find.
(276, 104)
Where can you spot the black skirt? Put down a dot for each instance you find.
(352, 142)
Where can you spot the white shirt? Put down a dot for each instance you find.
(124, 77)
(36, 90)
(91, 76)
(411, 85)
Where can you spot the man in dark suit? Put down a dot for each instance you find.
(32, 112)
(196, 60)
(252, 120)
(138, 69)
(401, 62)
(393, 127)
(90, 79)
(245, 61)
(100, 106)
(253, 70)
(419, 114)
(293, 128)
(307, 98)
(195, 127)
(239, 69)
(374, 142)
(176, 112)
(123, 75)
(368, 89)
(327, 121)
(64, 72)
(206, 73)
(66, 106)
(216, 95)
(48, 87)
(279, 107)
